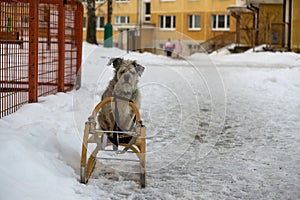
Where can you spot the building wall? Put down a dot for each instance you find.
(179, 8)
(270, 21)
(247, 32)
(271, 28)
(119, 9)
(182, 10)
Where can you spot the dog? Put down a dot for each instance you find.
(118, 115)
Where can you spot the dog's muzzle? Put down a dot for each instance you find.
(126, 78)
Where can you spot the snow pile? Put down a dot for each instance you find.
(252, 58)
(39, 151)
(195, 149)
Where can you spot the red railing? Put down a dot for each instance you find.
(41, 47)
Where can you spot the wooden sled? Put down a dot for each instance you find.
(96, 136)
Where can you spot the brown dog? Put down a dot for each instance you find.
(118, 116)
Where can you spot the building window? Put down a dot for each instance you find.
(220, 22)
(100, 22)
(122, 1)
(96, 1)
(84, 22)
(121, 19)
(147, 12)
(168, 22)
(194, 22)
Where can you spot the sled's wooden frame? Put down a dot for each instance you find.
(138, 147)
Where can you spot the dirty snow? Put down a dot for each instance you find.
(223, 126)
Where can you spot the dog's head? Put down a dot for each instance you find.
(127, 73)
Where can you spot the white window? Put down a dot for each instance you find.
(147, 16)
(168, 22)
(194, 22)
(96, 1)
(220, 22)
(100, 22)
(122, 1)
(121, 19)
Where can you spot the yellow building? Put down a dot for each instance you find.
(192, 21)
(146, 24)
(126, 21)
(259, 23)
(292, 18)
(272, 22)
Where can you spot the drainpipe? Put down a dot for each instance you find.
(290, 25)
(238, 28)
(284, 23)
(287, 19)
(255, 11)
(140, 13)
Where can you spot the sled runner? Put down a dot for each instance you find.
(93, 135)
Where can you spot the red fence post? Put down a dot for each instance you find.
(33, 51)
(78, 38)
(61, 48)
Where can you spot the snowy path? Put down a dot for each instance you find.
(233, 136)
(257, 155)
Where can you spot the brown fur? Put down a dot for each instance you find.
(124, 85)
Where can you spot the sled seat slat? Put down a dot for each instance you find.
(101, 132)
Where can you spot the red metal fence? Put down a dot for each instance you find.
(41, 46)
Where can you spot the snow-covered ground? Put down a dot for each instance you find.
(219, 127)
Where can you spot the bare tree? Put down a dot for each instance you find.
(91, 25)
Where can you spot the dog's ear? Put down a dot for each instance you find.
(139, 68)
(116, 62)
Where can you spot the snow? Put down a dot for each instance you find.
(252, 59)
(219, 126)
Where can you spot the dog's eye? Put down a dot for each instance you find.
(123, 71)
(132, 71)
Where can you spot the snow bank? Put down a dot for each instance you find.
(252, 58)
(39, 151)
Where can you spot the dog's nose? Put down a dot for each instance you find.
(126, 77)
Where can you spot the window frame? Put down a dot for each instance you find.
(226, 22)
(127, 19)
(193, 28)
(98, 23)
(122, 1)
(145, 12)
(173, 22)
